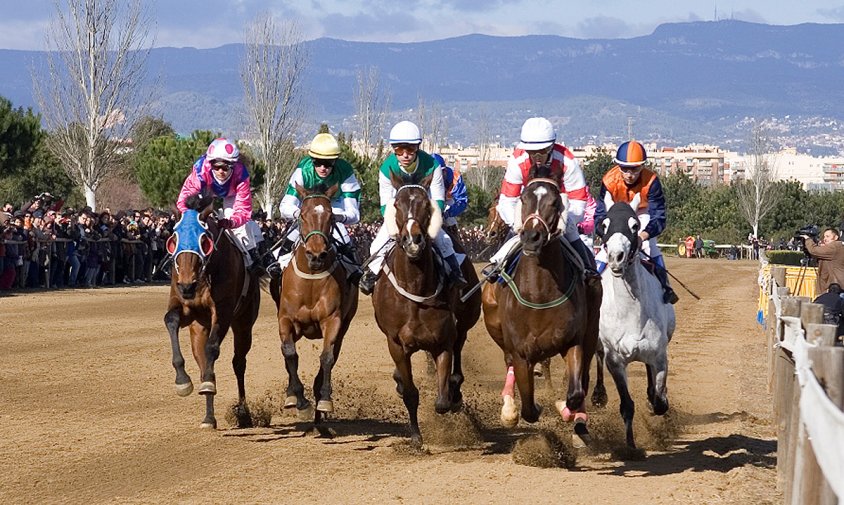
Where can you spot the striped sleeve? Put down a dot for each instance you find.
(289, 205)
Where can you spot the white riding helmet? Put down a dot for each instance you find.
(324, 146)
(405, 132)
(222, 149)
(537, 134)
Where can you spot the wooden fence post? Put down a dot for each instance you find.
(828, 367)
(783, 401)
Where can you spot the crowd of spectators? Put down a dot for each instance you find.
(46, 245)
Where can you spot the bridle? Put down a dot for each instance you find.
(550, 233)
(320, 233)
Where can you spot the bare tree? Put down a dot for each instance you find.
(372, 102)
(431, 120)
(757, 193)
(486, 177)
(272, 74)
(96, 57)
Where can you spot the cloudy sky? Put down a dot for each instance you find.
(211, 23)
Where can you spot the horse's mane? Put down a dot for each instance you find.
(198, 201)
(543, 171)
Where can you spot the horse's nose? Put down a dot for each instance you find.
(531, 236)
(618, 257)
(417, 238)
(187, 290)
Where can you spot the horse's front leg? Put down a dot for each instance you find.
(599, 393)
(199, 339)
(172, 320)
(456, 379)
(657, 377)
(618, 369)
(332, 340)
(242, 336)
(295, 388)
(576, 389)
(445, 361)
(524, 380)
(409, 393)
(212, 353)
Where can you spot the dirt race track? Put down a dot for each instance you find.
(88, 414)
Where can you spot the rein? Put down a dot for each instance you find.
(392, 278)
(539, 306)
(303, 240)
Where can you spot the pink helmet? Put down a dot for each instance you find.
(222, 149)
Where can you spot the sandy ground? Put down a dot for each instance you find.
(88, 414)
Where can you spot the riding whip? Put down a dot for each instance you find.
(646, 255)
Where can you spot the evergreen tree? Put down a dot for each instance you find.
(163, 164)
(20, 135)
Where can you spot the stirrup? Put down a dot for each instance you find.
(669, 296)
(367, 282)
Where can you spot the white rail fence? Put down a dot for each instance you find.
(808, 410)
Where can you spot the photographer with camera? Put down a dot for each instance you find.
(830, 255)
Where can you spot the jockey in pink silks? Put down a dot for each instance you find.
(221, 172)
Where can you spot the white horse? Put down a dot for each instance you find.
(635, 324)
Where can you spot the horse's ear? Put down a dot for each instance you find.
(395, 180)
(390, 219)
(426, 182)
(436, 223)
(206, 211)
(531, 172)
(634, 204)
(301, 192)
(332, 191)
(608, 202)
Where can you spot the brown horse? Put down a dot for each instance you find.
(414, 308)
(496, 231)
(314, 300)
(545, 308)
(210, 291)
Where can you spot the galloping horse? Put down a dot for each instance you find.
(544, 308)
(495, 230)
(414, 308)
(635, 323)
(314, 300)
(496, 233)
(211, 291)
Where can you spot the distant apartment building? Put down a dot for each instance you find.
(706, 164)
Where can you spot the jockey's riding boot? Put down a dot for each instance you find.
(348, 253)
(256, 266)
(589, 267)
(668, 294)
(455, 275)
(355, 276)
(285, 247)
(367, 282)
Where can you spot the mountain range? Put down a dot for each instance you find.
(685, 82)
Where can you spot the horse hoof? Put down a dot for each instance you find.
(325, 406)
(184, 389)
(207, 388)
(509, 413)
(307, 413)
(205, 425)
(580, 438)
(290, 402)
(564, 411)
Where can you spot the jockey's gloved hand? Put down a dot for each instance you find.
(225, 224)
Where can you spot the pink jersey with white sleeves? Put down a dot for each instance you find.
(236, 192)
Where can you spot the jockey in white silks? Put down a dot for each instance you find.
(409, 163)
(322, 167)
(221, 172)
(538, 146)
